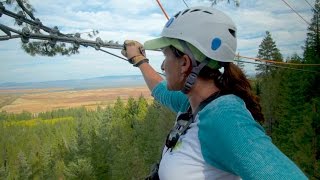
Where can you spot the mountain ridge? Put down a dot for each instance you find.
(88, 83)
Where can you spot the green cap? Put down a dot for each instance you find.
(163, 42)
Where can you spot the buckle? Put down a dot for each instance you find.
(183, 121)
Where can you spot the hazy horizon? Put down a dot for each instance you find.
(87, 83)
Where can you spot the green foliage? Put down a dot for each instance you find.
(312, 45)
(80, 170)
(291, 101)
(3, 172)
(24, 171)
(214, 2)
(43, 48)
(119, 142)
(291, 111)
(46, 49)
(269, 51)
(268, 81)
(15, 117)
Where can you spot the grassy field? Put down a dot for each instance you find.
(44, 100)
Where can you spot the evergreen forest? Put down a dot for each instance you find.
(124, 140)
(119, 142)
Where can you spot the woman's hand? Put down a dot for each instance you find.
(135, 52)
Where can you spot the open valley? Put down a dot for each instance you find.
(40, 100)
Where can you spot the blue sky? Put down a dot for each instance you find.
(141, 20)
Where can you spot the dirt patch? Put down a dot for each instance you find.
(6, 99)
(47, 101)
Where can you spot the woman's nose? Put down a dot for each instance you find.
(162, 66)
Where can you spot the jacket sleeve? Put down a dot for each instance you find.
(232, 141)
(175, 100)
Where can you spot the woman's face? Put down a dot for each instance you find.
(174, 70)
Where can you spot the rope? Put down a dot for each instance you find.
(163, 11)
(281, 67)
(276, 62)
(263, 60)
(98, 43)
(54, 34)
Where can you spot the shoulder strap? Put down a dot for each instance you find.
(206, 102)
(200, 107)
(177, 132)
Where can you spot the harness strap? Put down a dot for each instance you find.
(192, 77)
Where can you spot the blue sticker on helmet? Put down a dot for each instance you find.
(169, 22)
(215, 44)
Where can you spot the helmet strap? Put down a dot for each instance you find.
(192, 77)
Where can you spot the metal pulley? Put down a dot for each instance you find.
(99, 43)
(21, 16)
(53, 34)
(25, 35)
(55, 30)
(76, 44)
(52, 42)
(37, 27)
(77, 35)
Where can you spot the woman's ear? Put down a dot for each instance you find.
(186, 64)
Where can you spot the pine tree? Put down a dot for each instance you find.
(268, 80)
(296, 131)
(312, 56)
(81, 169)
(100, 153)
(214, 2)
(312, 45)
(267, 50)
(43, 48)
(3, 173)
(312, 51)
(24, 170)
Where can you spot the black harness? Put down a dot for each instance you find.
(184, 120)
(182, 124)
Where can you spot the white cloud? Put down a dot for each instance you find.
(142, 20)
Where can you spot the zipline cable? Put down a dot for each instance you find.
(311, 5)
(283, 67)
(95, 44)
(123, 58)
(113, 54)
(296, 12)
(20, 3)
(185, 3)
(276, 62)
(257, 59)
(54, 34)
(21, 18)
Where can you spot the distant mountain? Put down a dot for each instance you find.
(99, 82)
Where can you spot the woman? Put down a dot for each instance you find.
(218, 136)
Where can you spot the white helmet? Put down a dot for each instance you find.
(211, 31)
(205, 34)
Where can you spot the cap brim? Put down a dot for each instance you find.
(157, 43)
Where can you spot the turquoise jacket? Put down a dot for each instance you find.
(231, 140)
